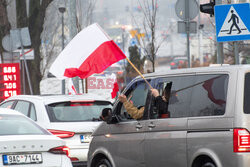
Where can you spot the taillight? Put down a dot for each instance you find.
(61, 133)
(172, 64)
(120, 72)
(241, 140)
(60, 150)
(74, 159)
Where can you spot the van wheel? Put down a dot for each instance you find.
(208, 164)
(103, 163)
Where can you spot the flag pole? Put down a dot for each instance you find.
(138, 72)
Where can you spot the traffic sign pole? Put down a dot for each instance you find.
(187, 29)
(187, 10)
(25, 63)
(220, 54)
(236, 53)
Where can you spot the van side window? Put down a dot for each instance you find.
(179, 100)
(136, 95)
(209, 95)
(247, 94)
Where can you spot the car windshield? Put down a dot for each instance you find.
(19, 125)
(77, 111)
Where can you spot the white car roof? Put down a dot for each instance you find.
(48, 99)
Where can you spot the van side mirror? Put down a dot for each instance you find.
(108, 117)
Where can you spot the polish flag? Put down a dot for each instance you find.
(90, 51)
(71, 87)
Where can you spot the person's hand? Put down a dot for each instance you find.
(164, 98)
(122, 98)
(155, 92)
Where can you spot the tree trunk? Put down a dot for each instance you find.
(35, 22)
(4, 24)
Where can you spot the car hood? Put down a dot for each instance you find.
(77, 127)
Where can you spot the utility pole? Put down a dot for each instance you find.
(62, 10)
(236, 44)
(220, 53)
(73, 32)
(187, 20)
(123, 49)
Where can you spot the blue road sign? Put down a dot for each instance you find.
(133, 42)
(232, 22)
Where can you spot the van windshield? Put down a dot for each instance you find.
(76, 111)
(247, 94)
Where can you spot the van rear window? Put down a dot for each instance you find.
(247, 94)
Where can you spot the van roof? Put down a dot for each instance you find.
(197, 70)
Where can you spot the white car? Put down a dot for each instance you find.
(23, 143)
(70, 117)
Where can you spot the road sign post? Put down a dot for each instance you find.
(187, 10)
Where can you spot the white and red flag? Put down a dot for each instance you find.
(90, 51)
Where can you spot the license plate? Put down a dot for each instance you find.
(22, 159)
(85, 138)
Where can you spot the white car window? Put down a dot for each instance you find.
(23, 107)
(76, 111)
(7, 104)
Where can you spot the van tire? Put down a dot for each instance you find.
(203, 161)
(103, 163)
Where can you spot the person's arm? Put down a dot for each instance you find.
(133, 111)
(161, 105)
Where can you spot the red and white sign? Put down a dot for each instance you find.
(29, 54)
(90, 51)
(9, 80)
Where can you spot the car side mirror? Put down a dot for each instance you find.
(108, 117)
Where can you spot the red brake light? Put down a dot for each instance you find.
(82, 101)
(241, 140)
(120, 72)
(172, 63)
(74, 159)
(82, 104)
(60, 150)
(61, 133)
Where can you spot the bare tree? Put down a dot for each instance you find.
(34, 21)
(4, 23)
(150, 43)
(85, 10)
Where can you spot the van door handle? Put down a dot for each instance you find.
(151, 125)
(138, 126)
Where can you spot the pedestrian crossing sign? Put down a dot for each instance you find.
(232, 22)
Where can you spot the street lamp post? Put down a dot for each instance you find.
(62, 10)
